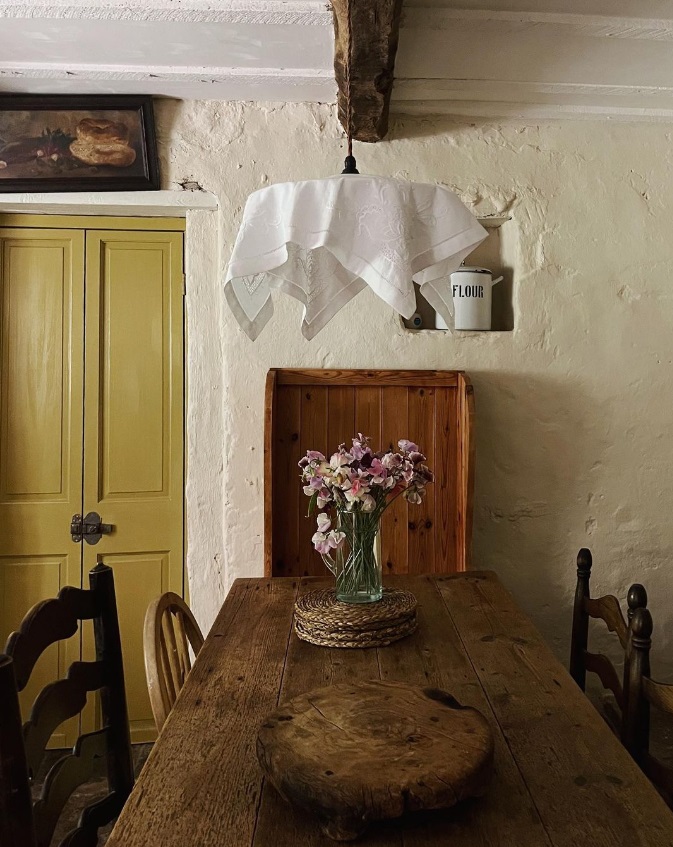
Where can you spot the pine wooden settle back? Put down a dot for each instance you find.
(318, 409)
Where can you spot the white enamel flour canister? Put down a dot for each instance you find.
(471, 291)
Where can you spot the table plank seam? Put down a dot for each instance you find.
(495, 716)
(258, 804)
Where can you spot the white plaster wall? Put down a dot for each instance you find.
(574, 408)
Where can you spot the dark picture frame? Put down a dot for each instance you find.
(63, 142)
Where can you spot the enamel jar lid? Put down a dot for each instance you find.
(465, 269)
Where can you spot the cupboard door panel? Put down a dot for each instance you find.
(41, 398)
(133, 456)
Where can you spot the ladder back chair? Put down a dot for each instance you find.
(31, 824)
(608, 610)
(319, 409)
(170, 631)
(642, 692)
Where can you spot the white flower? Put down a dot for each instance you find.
(324, 522)
(320, 542)
(368, 503)
(335, 538)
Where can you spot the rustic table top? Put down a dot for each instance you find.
(561, 778)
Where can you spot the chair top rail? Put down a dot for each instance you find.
(49, 621)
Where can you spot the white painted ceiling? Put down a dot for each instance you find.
(513, 58)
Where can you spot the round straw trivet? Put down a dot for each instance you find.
(325, 621)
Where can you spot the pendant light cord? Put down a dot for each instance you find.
(350, 163)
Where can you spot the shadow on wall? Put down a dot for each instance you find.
(411, 127)
(530, 506)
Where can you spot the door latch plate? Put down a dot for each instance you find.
(89, 528)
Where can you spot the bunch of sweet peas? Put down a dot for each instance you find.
(360, 480)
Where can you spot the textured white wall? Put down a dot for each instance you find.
(574, 408)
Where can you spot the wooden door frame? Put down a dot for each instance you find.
(204, 427)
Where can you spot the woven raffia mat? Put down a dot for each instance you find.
(323, 620)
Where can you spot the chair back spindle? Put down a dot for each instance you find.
(608, 610)
(170, 631)
(642, 692)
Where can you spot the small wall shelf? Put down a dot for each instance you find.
(493, 253)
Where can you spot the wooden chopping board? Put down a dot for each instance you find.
(353, 754)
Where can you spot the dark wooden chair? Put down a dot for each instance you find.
(608, 610)
(640, 693)
(24, 823)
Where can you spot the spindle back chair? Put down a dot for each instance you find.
(170, 631)
(642, 692)
(608, 610)
(32, 824)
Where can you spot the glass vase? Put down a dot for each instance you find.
(356, 563)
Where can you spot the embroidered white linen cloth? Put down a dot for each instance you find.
(322, 241)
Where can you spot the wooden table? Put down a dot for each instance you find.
(561, 778)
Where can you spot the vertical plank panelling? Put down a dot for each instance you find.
(465, 472)
(446, 481)
(422, 517)
(340, 416)
(317, 409)
(368, 413)
(395, 425)
(288, 499)
(313, 436)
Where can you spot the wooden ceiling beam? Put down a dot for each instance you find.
(375, 29)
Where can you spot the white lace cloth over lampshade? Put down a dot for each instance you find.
(322, 241)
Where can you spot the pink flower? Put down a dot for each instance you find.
(377, 471)
(391, 460)
(407, 446)
(320, 542)
(315, 456)
(324, 522)
(361, 447)
(324, 497)
(324, 542)
(340, 459)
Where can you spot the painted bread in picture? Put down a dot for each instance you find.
(103, 142)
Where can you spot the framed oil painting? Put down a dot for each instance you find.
(77, 143)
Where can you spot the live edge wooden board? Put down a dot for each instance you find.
(561, 779)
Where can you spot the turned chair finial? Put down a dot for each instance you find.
(584, 562)
(642, 625)
(636, 599)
